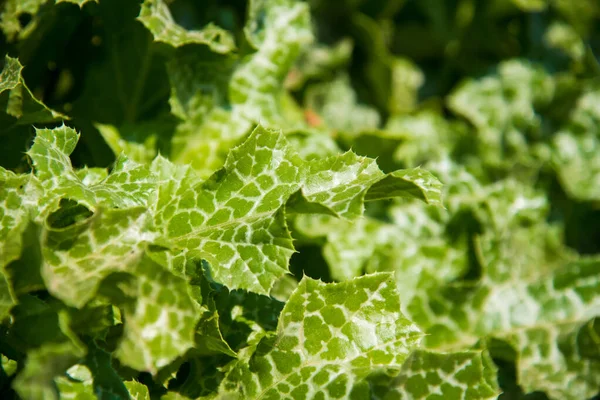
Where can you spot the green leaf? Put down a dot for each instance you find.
(575, 150)
(173, 396)
(564, 37)
(558, 368)
(160, 326)
(106, 381)
(203, 378)
(319, 61)
(74, 389)
(199, 82)
(95, 320)
(350, 248)
(209, 336)
(262, 16)
(245, 318)
(78, 258)
(408, 183)
(91, 176)
(36, 380)
(77, 383)
(247, 194)
(94, 380)
(500, 205)
(340, 183)
(19, 243)
(9, 367)
(313, 145)
(26, 334)
(406, 79)
(283, 288)
(254, 91)
(423, 137)
(523, 307)
(6, 298)
(199, 96)
(329, 338)
(12, 10)
(335, 102)
(588, 339)
(209, 339)
(353, 247)
(427, 375)
(127, 82)
(129, 184)
(256, 85)
(259, 178)
(427, 251)
(155, 16)
(344, 182)
(504, 108)
(13, 215)
(24, 273)
(17, 101)
(137, 391)
(139, 152)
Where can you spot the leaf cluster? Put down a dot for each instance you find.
(280, 199)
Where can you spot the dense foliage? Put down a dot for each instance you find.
(276, 199)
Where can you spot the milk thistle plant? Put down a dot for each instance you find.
(280, 199)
